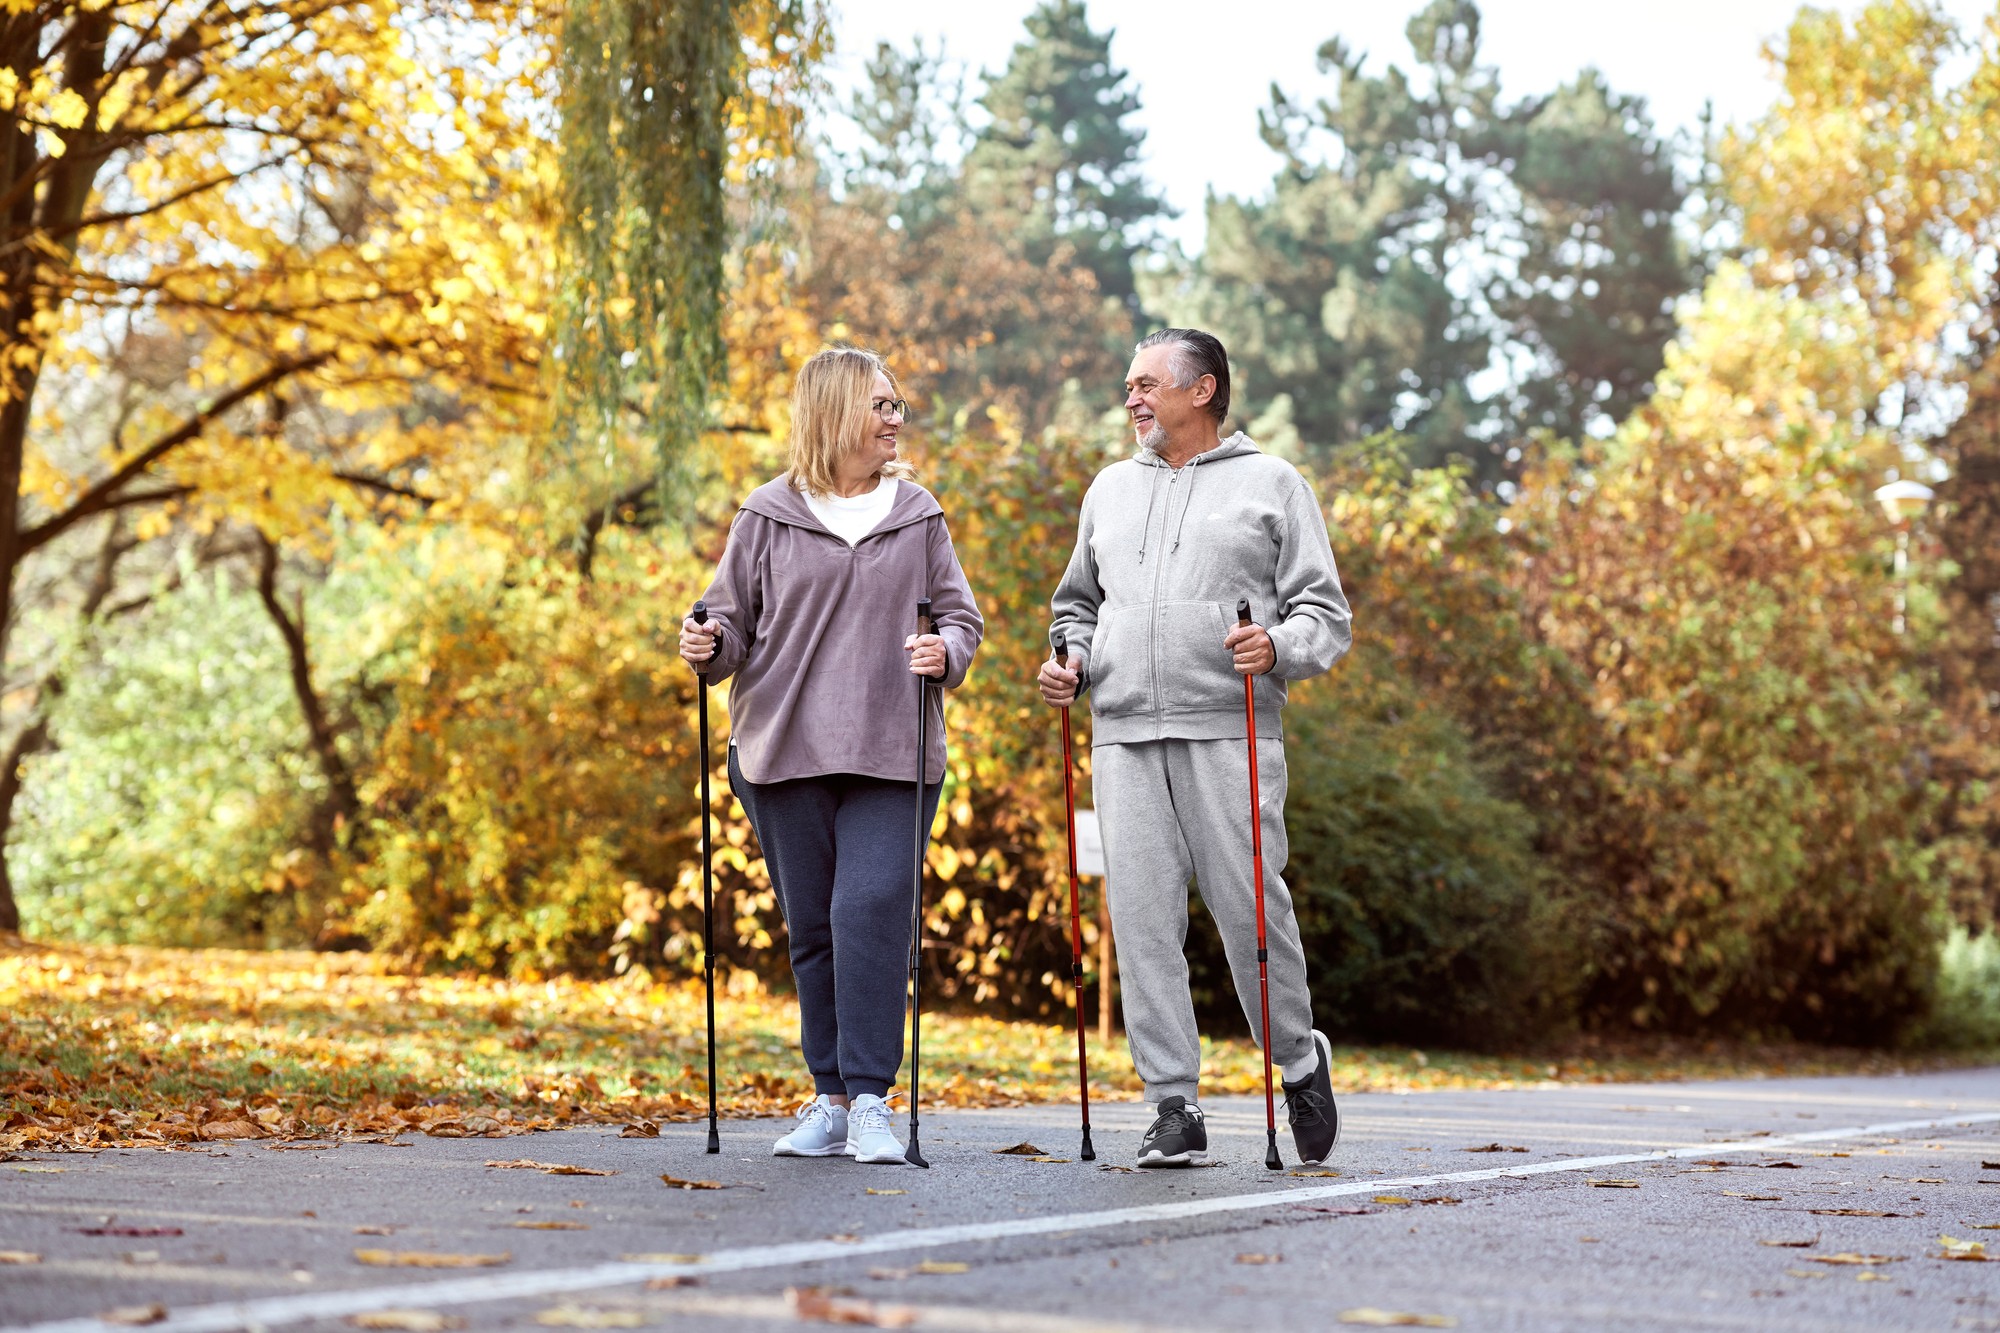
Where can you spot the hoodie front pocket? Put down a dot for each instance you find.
(1194, 669)
(1120, 668)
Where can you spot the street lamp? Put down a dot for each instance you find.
(1902, 501)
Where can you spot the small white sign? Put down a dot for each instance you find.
(1089, 844)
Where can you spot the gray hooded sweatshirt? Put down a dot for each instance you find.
(1161, 559)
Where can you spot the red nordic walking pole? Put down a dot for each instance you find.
(700, 616)
(913, 1156)
(1271, 1158)
(1089, 1154)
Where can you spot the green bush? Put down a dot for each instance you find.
(1422, 906)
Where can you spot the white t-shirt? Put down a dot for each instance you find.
(852, 517)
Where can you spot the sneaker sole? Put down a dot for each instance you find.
(1193, 1157)
(900, 1159)
(839, 1150)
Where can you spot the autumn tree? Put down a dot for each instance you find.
(1057, 159)
(1421, 231)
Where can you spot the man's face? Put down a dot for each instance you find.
(1157, 409)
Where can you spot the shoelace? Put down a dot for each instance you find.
(1305, 1107)
(1178, 1118)
(873, 1119)
(814, 1112)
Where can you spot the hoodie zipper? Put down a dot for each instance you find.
(1159, 615)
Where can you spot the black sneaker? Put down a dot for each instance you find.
(1309, 1107)
(1177, 1138)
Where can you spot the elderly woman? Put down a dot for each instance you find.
(809, 611)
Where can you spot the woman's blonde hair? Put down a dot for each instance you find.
(832, 411)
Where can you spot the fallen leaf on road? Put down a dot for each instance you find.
(428, 1259)
(567, 1316)
(135, 1314)
(888, 1274)
(844, 1238)
(1954, 1248)
(1807, 1272)
(1396, 1319)
(1122, 1170)
(1441, 1198)
(297, 1147)
(1494, 1147)
(1045, 1158)
(1926, 1180)
(1754, 1198)
(1976, 1226)
(942, 1266)
(1022, 1149)
(1715, 1162)
(1613, 1184)
(550, 1226)
(1587, 1240)
(374, 1231)
(1313, 1173)
(19, 1257)
(1781, 1166)
(1259, 1258)
(551, 1168)
(640, 1129)
(232, 1129)
(1869, 1275)
(676, 1183)
(43, 1170)
(413, 1321)
(128, 1231)
(873, 1190)
(1390, 1199)
(812, 1303)
(1852, 1212)
(660, 1258)
(669, 1283)
(1866, 1260)
(1791, 1244)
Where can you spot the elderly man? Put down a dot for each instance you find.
(1168, 542)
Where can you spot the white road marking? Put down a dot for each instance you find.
(278, 1310)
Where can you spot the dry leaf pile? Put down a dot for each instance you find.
(180, 1047)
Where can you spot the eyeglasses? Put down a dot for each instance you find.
(884, 406)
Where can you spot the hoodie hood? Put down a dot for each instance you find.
(1230, 447)
(781, 502)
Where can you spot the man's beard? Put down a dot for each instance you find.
(1155, 437)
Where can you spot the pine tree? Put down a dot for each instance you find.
(1058, 160)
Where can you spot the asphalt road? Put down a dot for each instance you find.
(1742, 1191)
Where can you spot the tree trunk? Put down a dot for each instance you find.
(343, 801)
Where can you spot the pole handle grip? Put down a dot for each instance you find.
(1062, 652)
(700, 613)
(923, 615)
(1243, 611)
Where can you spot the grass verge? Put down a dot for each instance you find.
(126, 1046)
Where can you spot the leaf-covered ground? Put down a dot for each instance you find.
(102, 1046)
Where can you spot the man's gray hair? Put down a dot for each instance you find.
(1192, 354)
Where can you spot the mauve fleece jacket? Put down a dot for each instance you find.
(812, 631)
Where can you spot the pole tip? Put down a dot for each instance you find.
(1273, 1162)
(714, 1142)
(1089, 1154)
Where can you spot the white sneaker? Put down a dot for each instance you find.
(822, 1131)
(871, 1135)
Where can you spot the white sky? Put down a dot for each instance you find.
(1204, 70)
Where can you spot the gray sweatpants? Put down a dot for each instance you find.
(1168, 810)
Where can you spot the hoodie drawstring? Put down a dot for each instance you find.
(1152, 488)
(1187, 503)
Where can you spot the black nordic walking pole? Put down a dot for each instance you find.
(1088, 1154)
(1271, 1158)
(915, 1156)
(700, 617)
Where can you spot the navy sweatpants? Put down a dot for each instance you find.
(840, 849)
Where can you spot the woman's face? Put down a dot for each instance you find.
(878, 439)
